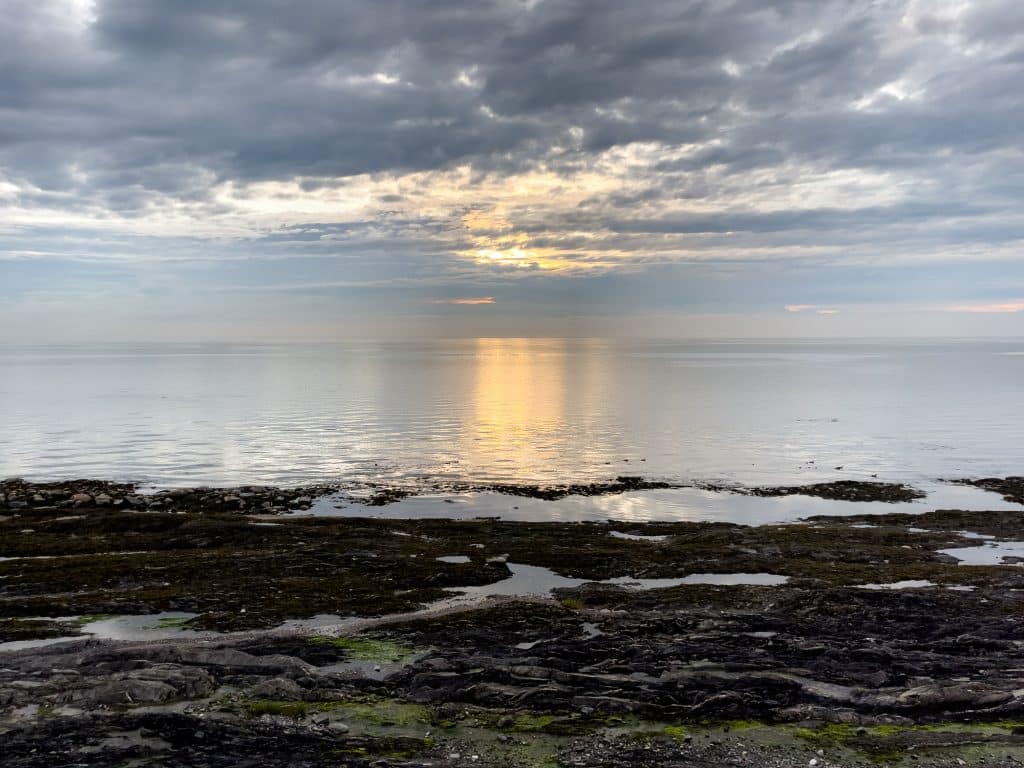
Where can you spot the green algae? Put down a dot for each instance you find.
(889, 743)
(677, 732)
(368, 649)
(740, 725)
(827, 735)
(529, 723)
(384, 713)
(368, 710)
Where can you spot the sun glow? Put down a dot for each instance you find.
(525, 257)
(493, 243)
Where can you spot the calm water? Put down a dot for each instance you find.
(513, 410)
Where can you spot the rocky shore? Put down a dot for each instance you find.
(837, 641)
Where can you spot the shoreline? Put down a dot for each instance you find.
(879, 647)
(19, 495)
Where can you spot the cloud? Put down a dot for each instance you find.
(816, 309)
(463, 146)
(1000, 307)
(467, 301)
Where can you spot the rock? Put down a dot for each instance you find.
(975, 696)
(278, 688)
(80, 499)
(724, 704)
(129, 691)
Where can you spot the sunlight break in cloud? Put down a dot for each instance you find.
(471, 300)
(815, 308)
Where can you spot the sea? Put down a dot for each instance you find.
(504, 410)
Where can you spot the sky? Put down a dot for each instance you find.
(188, 170)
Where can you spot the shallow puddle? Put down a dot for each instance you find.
(18, 645)
(917, 584)
(989, 553)
(658, 505)
(637, 537)
(732, 579)
(906, 584)
(157, 626)
(536, 581)
(973, 535)
(320, 621)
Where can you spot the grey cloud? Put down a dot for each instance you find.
(155, 101)
(273, 89)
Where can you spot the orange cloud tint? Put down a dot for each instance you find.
(809, 307)
(470, 300)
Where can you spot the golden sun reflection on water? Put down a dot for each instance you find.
(519, 401)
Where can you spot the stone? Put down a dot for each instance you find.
(130, 691)
(278, 688)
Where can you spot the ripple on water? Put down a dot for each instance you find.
(508, 410)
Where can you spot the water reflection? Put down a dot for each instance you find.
(512, 410)
(518, 403)
(663, 505)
